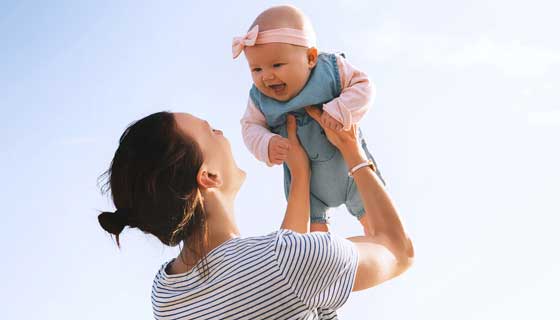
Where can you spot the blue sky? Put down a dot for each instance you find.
(465, 127)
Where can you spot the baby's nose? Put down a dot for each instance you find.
(268, 76)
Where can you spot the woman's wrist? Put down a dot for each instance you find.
(350, 149)
(301, 176)
(354, 158)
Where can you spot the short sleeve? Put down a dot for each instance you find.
(320, 267)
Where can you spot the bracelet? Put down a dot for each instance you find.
(368, 163)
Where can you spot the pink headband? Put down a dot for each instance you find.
(283, 35)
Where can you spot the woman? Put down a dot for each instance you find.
(174, 176)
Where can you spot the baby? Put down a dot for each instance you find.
(289, 74)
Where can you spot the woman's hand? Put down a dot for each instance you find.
(346, 141)
(297, 159)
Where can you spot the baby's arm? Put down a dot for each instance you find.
(257, 137)
(355, 98)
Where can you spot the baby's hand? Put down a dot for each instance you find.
(330, 122)
(278, 148)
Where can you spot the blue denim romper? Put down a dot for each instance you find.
(330, 184)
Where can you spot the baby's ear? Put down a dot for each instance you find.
(312, 57)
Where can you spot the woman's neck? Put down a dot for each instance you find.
(221, 224)
(220, 217)
(219, 208)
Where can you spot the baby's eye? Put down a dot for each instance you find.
(277, 65)
(256, 69)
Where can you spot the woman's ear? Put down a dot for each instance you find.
(312, 57)
(208, 180)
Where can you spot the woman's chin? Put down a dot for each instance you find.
(237, 177)
(242, 175)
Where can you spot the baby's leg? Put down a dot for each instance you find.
(319, 218)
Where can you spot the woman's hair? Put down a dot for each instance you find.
(152, 179)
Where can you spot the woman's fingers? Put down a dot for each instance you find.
(291, 127)
(314, 113)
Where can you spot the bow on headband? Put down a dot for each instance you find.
(249, 40)
(282, 35)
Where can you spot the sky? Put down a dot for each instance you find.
(465, 128)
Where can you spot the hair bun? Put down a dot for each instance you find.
(113, 222)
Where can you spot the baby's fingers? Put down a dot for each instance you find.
(281, 152)
(282, 156)
(283, 144)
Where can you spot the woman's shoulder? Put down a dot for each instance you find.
(233, 247)
(285, 235)
(249, 252)
(282, 240)
(301, 245)
(274, 245)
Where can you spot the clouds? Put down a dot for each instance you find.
(394, 42)
(544, 118)
(512, 58)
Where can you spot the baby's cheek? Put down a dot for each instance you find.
(258, 84)
(255, 77)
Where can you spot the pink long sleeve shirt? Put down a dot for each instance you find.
(349, 108)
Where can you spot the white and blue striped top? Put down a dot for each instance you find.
(283, 275)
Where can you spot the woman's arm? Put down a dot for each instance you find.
(385, 251)
(297, 212)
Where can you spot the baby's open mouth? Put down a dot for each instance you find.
(277, 87)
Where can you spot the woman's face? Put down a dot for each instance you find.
(216, 149)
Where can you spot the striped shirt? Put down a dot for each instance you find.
(283, 275)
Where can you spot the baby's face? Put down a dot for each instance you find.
(279, 70)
